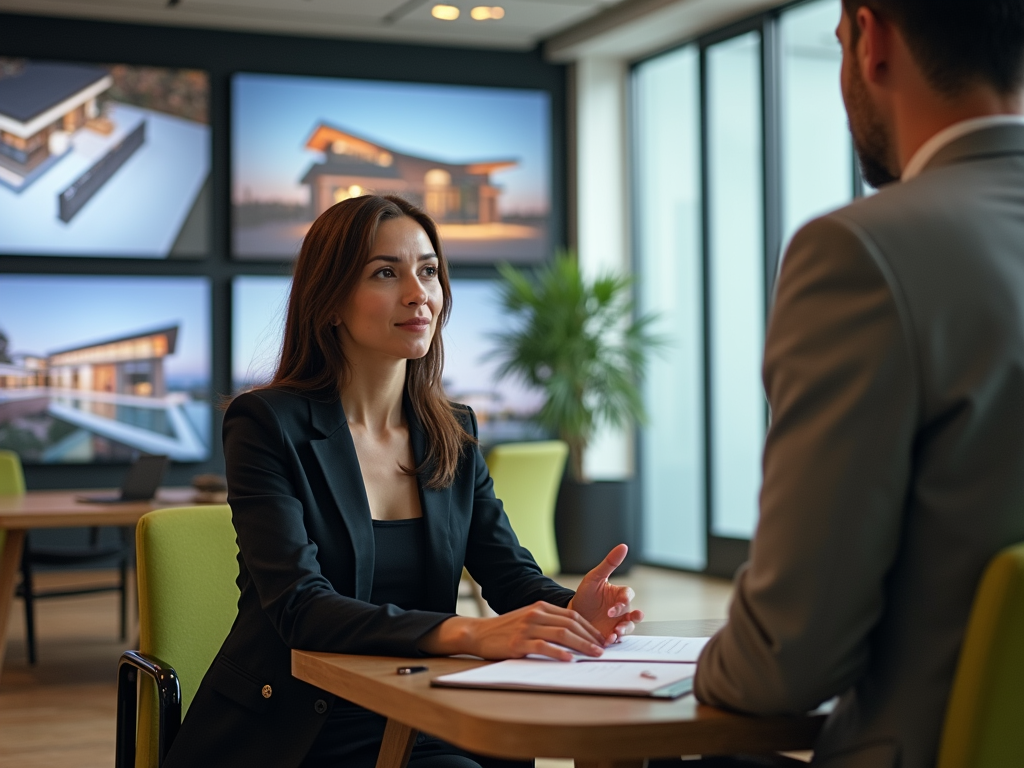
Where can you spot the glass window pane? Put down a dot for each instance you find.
(668, 194)
(736, 281)
(817, 154)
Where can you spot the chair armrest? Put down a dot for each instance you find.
(168, 697)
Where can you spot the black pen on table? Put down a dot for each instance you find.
(411, 670)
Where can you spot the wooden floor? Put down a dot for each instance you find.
(61, 711)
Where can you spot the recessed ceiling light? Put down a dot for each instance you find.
(484, 12)
(445, 12)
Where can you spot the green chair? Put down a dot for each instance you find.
(983, 727)
(12, 482)
(12, 479)
(526, 479)
(188, 599)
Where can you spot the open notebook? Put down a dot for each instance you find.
(620, 678)
(658, 667)
(652, 648)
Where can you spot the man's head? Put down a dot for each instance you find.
(950, 48)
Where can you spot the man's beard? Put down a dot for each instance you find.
(871, 140)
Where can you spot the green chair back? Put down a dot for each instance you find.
(12, 479)
(526, 479)
(188, 600)
(12, 482)
(983, 726)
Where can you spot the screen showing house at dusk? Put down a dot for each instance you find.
(503, 408)
(478, 160)
(103, 160)
(101, 369)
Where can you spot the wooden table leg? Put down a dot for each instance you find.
(397, 745)
(10, 562)
(611, 763)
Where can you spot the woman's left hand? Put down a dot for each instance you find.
(605, 605)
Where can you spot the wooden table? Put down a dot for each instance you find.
(596, 731)
(59, 509)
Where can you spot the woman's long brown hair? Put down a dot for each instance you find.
(329, 267)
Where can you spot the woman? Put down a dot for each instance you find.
(358, 493)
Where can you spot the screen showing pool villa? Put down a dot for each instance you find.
(503, 407)
(101, 369)
(103, 160)
(478, 160)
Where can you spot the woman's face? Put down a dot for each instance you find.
(394, 308)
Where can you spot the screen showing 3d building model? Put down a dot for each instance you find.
(101, 369)
(503, 406)
(103, 160)
(478, 160)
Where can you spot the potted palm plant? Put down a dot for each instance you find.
(579, 341)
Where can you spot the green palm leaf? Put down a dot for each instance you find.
(579, 342)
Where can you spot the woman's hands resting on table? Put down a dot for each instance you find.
(599, 614)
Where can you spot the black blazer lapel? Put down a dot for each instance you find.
(336, 454)
(436, 510)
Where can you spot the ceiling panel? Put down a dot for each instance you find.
(524, 15)
(367, 10)
(526, 22)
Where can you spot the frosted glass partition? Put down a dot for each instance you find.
(736, 281)
(668, 227)
(817, 153)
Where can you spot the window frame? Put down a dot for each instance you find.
(725, 554)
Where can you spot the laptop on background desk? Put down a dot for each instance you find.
(139, 484)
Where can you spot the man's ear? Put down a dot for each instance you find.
(874, 44)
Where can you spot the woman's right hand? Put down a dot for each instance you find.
(542, 629)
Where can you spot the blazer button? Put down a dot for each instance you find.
(267, 691)
(320, 706)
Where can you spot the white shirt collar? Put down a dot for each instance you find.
(948, 135)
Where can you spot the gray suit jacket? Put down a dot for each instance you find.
(894, 464)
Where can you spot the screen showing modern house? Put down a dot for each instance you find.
(478, 160)
(101, 369)
(503, 407)
(103, 160)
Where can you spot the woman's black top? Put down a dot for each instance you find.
(399, 563)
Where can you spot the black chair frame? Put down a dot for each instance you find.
(168, 705)
(65, 557)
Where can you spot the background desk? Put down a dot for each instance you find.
(58, 509)
(596, 731)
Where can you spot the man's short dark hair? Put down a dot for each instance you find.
(958, 42)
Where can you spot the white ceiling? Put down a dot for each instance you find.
(637, 28)
(525, 24)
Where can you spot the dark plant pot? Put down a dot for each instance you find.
(590, 519)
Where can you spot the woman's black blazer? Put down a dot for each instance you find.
(306, 570)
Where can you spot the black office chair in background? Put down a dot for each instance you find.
(92, 554)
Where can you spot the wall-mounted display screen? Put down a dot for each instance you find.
(503, 408)
(100, 369)
(477, 159)
(103, 160)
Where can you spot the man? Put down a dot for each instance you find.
(894, 366)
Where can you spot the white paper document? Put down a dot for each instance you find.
(657, 680)
(647, 648)
(651, 648)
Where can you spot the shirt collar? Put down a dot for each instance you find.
(948, 135)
